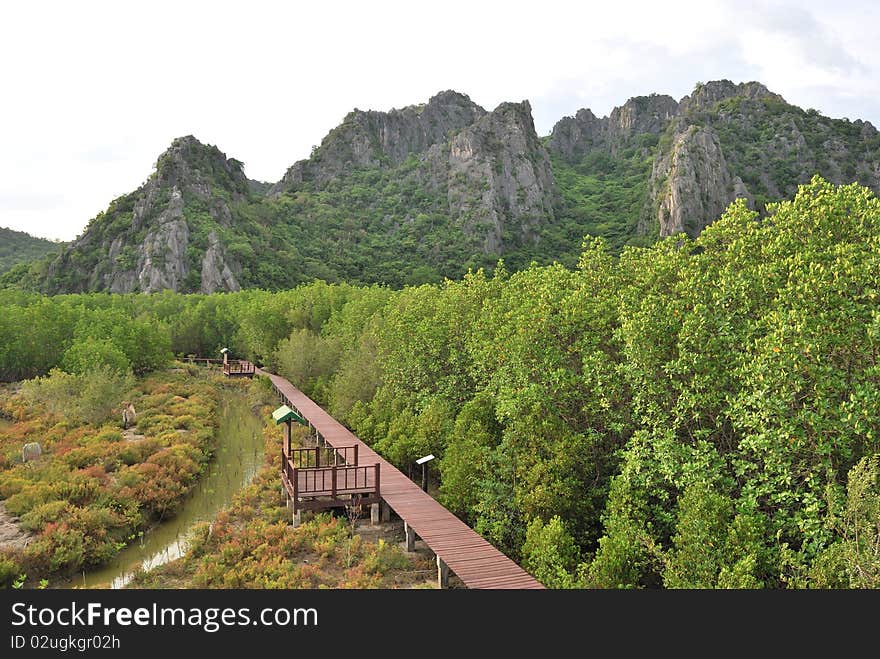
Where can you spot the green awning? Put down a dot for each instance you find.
(284, 414)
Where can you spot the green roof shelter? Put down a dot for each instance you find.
(287, 416)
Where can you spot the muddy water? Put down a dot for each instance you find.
(238, 457)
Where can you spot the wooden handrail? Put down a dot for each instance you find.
(343, 478)
(342, 456)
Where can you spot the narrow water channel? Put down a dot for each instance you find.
(238, 457)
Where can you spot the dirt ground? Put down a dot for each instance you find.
(392, 532)
(11, 534)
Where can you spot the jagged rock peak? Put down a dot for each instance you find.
(643, 114)
(498, 177)
(444, 111)
(521, 110)
(189, 162)
(574, 136)
(371, 138)
(705, 96)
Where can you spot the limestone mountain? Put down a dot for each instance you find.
(427, 191)
(414, 193)
(405, 196)
(166, 234)
(744, 141)
(656, 167)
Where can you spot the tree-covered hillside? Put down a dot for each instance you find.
(696, 413)
(19, 247)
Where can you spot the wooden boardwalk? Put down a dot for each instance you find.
(476, 562)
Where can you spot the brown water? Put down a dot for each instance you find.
(238, 457)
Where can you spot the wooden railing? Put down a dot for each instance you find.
(323, 456)
(202, 360)
(335, 482)
(239, 367)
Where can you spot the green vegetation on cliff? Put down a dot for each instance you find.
(603, 195)
(775, 146)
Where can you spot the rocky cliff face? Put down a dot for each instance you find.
(573, 137)
(721, 142)
(705, 96)
(692, 183)
(489, 167)
(145, 242)
(382, 139)
(497, 177)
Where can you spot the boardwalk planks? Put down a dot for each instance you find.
(476, 562)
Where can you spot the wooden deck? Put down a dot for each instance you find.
(239, 368)
(313, 487)
(476, 562)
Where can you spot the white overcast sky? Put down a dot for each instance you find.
(93, 92)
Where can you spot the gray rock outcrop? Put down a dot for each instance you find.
(497, 177)
(377, 139)
(148, 236)
(217, 275)
(573, 137)
(31, 451)
(692, 184)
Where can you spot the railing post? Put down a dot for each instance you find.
(333, 483)
(378, 490)
(355, 455)
(317, 457)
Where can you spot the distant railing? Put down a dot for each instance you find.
(202, 360)
(239, 367)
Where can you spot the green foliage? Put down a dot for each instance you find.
(774, 147)
(10, 569)
(79, 332)
(17, 247)
(86, 354)
(699, 413)
(308, 359)
(88, 397)
(853, 560)
(602, 195)
(551, 554)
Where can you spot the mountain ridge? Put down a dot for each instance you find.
(428, 191)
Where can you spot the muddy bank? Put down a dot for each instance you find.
(11, 535)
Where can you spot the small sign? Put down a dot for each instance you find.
(425, 459)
